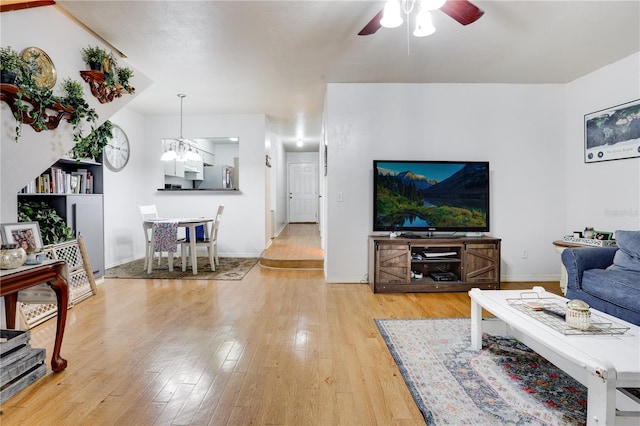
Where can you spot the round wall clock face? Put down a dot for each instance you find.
(116, 153)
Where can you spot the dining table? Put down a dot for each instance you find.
(169, 239)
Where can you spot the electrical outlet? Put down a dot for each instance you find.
(525, 254)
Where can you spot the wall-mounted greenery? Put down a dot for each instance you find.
(92, 145)
(115, 77)
(33, 103)
(32, 99)
(81, 111)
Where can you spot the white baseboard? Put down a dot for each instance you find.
(345, 280)
(532, 278)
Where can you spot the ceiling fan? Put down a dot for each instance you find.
(462, 11)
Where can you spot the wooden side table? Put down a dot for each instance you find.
(560, 247)
(51, 272)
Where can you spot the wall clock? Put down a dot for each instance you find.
(116, 152)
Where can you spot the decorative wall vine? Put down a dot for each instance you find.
(52, 115)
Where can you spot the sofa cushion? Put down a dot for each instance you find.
(621, 288)
(627, 258)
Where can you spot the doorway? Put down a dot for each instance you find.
(303, 192)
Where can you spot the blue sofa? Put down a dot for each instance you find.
(607, 278)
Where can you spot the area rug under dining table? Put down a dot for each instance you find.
(230, 269)
(505, 383)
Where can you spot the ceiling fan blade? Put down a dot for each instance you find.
(462, 11)
(372, 26)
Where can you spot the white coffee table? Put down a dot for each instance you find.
(602, 363)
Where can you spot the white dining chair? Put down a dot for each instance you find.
(210, 242)
(149, 212)
(219, 213)
(200, 230)
(213, 250)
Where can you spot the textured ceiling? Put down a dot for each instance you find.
(275, 57)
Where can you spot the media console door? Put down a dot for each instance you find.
(481, 262)
(393, 263)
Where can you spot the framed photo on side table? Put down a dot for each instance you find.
(603, 235)
(25, 234)
(612, 133)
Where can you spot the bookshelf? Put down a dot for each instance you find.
(74, 189)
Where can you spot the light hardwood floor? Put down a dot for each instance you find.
(280, 347)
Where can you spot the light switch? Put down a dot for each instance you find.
(340, 197)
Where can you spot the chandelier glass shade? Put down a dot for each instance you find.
(192, 155)
(169, 155)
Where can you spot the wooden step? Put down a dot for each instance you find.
(291, 263)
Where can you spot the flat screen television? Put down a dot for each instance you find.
(430, 196)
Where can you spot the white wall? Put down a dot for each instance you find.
(242, 231)
(123, 191)
(603, 195)
(519, 129)
(279, 192)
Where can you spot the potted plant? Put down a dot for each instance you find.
(53, 228)
(73, 97)
(92, 145)
(95, 57)
(10, 65)
(124, 74)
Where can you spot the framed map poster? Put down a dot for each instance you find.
(613, 133)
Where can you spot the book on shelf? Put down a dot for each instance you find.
(59, 181)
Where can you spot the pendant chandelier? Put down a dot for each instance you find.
(393, 10)
(181, 149)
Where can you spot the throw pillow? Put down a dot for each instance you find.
(627, 258)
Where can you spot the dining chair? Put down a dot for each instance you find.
(149, 212)
(220, 210)
(200, 230)
(210, 241)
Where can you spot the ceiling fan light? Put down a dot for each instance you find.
(424, 24)
(391, 17)
(432, 4)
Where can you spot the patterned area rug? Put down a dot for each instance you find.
(230, 268)
(505, 383)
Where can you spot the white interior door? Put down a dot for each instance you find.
(303, 192)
